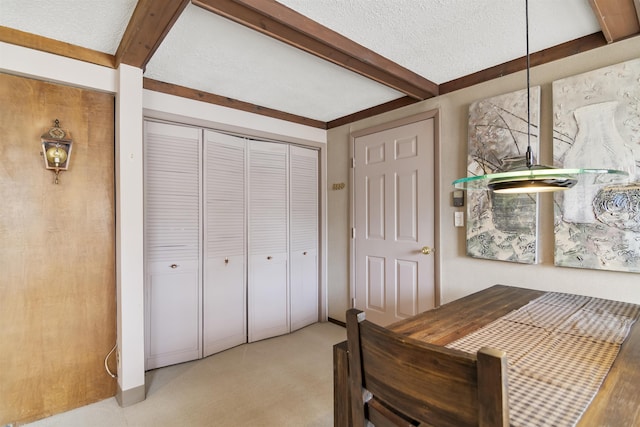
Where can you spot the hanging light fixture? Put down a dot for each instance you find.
(533, 178)
(56, 149)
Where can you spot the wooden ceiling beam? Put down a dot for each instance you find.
(618, 18)
(45, 44)
(185, 92)
(554, 53)
(148, 26)
(373, 111)
(288, 26)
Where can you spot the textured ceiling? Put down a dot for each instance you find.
(445, 39)
(210, 53)
(94, 24)
(441, 40)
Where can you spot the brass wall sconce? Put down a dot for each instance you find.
(56, 149)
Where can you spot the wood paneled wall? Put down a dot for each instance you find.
(57, 252)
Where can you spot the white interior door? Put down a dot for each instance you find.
(268, 288)
(172, 244)
(224, 286)
(394, 220)
(304, 236)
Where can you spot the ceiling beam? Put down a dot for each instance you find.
(373, 111)
(185, 92)
(618, 18)
(554, 53)
(286, 25)
(45, 44)
(148, 26)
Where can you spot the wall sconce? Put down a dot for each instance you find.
(56, 149)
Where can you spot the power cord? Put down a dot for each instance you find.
(107, 358)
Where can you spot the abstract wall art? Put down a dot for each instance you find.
(596, 119)
(502, 226)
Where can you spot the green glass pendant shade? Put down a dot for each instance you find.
(537, 179)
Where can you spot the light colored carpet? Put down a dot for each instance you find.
(283, 381)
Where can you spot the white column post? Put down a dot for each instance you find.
(129, 236)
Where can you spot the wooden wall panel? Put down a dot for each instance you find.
(57, 252)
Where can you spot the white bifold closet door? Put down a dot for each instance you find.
(172, 244)
(224, 286)
(268, 290)
(303, 247)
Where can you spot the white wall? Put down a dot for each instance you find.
(461, 275)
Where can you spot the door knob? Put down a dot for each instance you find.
(426, 250)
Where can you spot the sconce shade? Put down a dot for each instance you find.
(56, 156)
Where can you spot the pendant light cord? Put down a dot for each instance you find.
(529, 154)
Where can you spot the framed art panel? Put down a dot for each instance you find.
(502, 226)
(597, 125)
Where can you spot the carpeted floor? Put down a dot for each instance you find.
(283, 381)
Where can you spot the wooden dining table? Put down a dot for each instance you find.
(617, 403)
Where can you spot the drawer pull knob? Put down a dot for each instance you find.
(174, 266)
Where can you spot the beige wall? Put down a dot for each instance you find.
(461, 275)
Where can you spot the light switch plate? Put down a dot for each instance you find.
(458, 219)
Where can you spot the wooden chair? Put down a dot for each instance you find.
(399, 381)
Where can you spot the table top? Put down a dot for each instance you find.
(616, 404)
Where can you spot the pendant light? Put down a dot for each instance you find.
(534, 178)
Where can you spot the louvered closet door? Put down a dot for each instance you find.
(224, 288)
(304, 236)
(268, 256)
(172, 244)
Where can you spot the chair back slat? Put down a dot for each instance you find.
(420, 382)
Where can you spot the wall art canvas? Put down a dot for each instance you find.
(502, 226)
(597, 125)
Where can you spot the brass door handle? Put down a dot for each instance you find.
(426, 250)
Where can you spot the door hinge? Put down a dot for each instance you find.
(353, 232)
(353, 303)
(353, 162)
